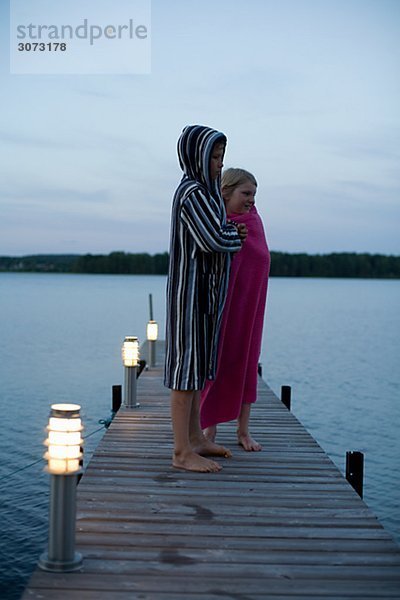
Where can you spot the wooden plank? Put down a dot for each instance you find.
(264, 548)
(44, 594)
(222, 586)
(281, 523)
(277, 556)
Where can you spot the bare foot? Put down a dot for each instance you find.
(206, 447)
(193, 462)
(248, 443)
(210, 433)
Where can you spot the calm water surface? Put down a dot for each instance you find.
(336, 342)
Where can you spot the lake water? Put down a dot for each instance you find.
(335, 341)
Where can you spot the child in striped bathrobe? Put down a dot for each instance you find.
(201, 246)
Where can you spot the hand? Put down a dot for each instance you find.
(242, 231)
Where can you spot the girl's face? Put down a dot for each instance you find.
(241, 199)
(216, 161)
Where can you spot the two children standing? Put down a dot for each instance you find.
(211, 351)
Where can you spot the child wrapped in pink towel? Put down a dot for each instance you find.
(234, 389)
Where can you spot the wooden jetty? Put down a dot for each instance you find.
(282, 523)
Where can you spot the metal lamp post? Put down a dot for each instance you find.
(64, 451)
(130, 358)
(152, 335)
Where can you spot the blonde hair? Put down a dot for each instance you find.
(232, 178)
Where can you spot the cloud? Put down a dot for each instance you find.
(33, 140)
(380, 145)
(49, 196)
(95, 93)
(60, 231)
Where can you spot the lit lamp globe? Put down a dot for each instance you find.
(152, 331)
(64, 440)
(130, 351)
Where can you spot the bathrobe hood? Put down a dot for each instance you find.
(194, 152)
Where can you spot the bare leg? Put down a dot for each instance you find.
(244, 437)
(184, 457)
(210, 432)
(201, 443)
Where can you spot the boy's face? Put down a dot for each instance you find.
(216, 161)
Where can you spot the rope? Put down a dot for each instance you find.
(26, 467)
(105, 425)
(85, 437)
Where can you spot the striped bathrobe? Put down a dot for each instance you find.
(200, 250)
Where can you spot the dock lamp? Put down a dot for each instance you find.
(152, 335)
(130, 358)
(64, 453)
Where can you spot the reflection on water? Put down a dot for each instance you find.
(337, 343)
(334, 341)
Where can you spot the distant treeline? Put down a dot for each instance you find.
(121, 263)
(118, 263)
(283, 264)
(344, 264)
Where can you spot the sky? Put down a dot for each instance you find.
(306, 91)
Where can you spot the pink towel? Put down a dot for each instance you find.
(241, 329)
